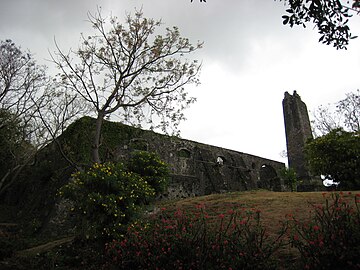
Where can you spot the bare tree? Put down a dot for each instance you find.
(20, 81)
(350, 109)
(130, 70)
(343, 114)
(34, 110)
(325, 119)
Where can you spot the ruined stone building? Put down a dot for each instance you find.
(196, 169)
(201, 169)
(298, 131)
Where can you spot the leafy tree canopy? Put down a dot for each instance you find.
(336, 155)
(330, 17)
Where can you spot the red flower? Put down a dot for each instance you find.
(200, 206)
(123, 243)
(178, 213)
(221, 216)
(230, 212)
(316, 228)
(242, 222)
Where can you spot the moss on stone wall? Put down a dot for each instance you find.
(194, 166)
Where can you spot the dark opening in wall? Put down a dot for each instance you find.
(269, 178)
(184, 153)
(139, 144)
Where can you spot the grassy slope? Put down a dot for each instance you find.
(274, 206)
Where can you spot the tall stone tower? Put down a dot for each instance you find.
(298, 130)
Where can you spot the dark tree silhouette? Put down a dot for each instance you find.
(330, 17)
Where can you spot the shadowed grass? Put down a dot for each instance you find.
(274, 206)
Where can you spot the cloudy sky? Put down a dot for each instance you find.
(249, 60)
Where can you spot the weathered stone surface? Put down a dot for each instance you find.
(298, 131)
(200, 169)
(196, 169)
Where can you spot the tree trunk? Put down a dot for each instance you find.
(96, 142)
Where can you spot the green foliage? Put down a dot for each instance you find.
(184, 153)
(290, 178)
(196, 240)
(331, 240)
(106, 197)
(76, 139)
(10, 139)
(329, 16)
(13, 147)
(336, 155)
(6, 248)
(151, 168)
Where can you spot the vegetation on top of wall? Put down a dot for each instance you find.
(34, 193)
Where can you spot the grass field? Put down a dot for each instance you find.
(274, 206)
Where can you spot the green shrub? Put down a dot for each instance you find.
(331, 240)
(196, 240)
(106, 197)
(151, 168)
(6, 248)
(290, 178)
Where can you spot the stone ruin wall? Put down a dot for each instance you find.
(199, 169)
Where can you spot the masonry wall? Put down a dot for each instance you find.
(200, 169)
(197, 169)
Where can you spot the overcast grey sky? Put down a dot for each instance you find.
(249, 60)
